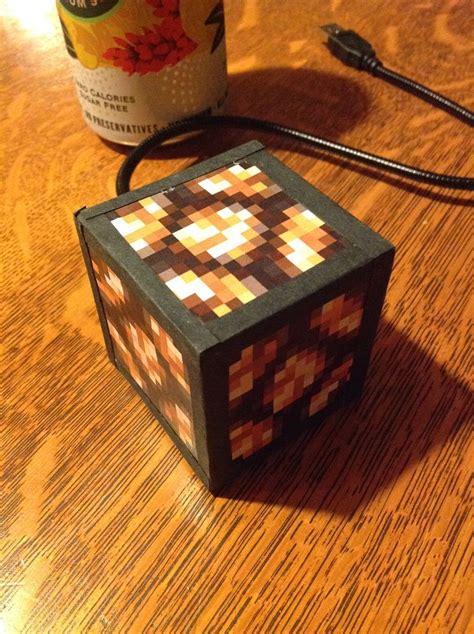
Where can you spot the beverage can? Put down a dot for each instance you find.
(139, 65)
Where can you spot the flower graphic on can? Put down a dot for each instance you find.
(164, 44)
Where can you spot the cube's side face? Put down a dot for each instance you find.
(146, 351)
(292, 372)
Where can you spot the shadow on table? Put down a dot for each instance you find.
(315, 101)
(410, 405)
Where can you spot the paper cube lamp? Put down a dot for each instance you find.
(239, 302)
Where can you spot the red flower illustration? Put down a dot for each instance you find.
(164, 45)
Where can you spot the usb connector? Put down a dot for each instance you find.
(352, 50)
(349, 47)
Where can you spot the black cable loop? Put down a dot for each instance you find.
(196, 123)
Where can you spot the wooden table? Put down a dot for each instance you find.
(361, 525)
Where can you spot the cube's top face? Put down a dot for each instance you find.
(224, 246)
(223, 239)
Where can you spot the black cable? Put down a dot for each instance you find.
(353, 51)
(422, 92)
(193, 124)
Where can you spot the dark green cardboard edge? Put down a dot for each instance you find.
(95, 291)
(380, 270)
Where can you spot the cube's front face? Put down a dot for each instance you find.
(255, 304)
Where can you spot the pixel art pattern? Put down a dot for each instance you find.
(147, 351)
(223, 239)
(292, 373)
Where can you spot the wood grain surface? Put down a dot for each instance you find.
(361, 525)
